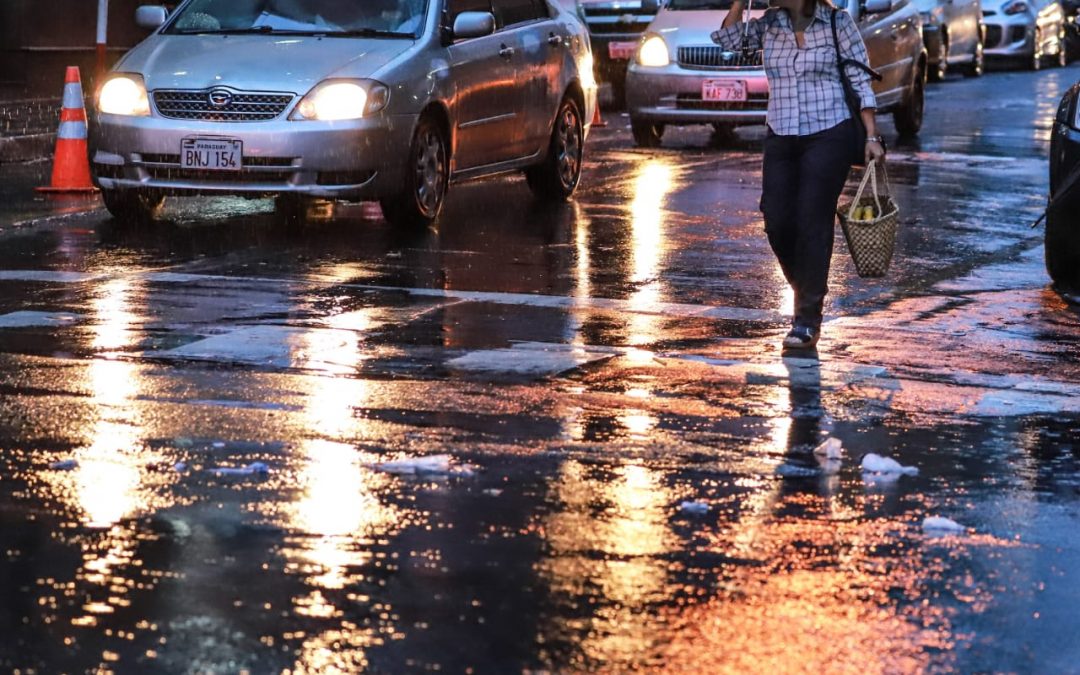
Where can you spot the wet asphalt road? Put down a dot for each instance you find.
(573, 376)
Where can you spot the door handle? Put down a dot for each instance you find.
(506, 52)
(555, 40)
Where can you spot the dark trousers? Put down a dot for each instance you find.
(803, 177)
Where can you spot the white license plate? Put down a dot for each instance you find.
(212, 154)
(621, 51)
(723, 90)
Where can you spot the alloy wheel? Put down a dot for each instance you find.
(430, 171)
(569, 146)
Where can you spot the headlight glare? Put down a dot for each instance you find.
(342, 100)
(653, 52)
(124, 95)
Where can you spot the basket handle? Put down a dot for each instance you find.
(870, 175)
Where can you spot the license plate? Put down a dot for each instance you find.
(621, 51)
(723, 90)
(212, 154)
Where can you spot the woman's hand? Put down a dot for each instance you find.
(875, 151)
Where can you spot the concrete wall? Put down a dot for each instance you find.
(39, 38)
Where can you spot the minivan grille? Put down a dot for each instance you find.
(243, 107)
(716, 57)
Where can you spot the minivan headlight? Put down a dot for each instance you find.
(124, 95)
(653, 52)
(1015, 7)
(342, 100)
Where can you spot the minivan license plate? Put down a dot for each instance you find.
(723, 90)
(213, 154)
(621, 51)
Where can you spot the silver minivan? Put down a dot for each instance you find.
(388, 100)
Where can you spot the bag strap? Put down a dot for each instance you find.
(869, 176)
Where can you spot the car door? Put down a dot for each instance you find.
(962, 17)
(877, 33)
(489, 101)
(546, 43)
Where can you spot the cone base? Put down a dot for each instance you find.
(77, 190)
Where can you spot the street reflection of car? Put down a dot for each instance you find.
(679, 77)
(953, 33)
(1063, 216)
(1026, 31)
(615, 27)
(390, 100)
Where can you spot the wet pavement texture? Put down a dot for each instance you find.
(546, 439)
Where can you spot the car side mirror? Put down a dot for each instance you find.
(877, 6)
(473, 25)
(151, 17)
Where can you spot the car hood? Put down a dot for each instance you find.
(256, 62)
(685, 27)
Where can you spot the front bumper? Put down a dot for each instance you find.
(1008, 37)
(672, 95)
(355, 159)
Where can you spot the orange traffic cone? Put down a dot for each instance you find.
(71, 164)
(597, 120)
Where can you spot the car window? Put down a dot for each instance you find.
(316, 16)
(512, 12)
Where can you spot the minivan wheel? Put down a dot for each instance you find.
(909, 117)
(1062, 58)
(426, 179)
(132, 207)
(646, 134)
(557, 177)
(978, 62)
(1036, 54)
(1063, 251)
(941, 68)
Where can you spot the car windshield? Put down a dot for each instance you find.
(705, 4)
(375, 18)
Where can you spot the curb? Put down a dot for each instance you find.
(25, 148)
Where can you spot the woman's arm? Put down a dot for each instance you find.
(852, 47)
(730, 35)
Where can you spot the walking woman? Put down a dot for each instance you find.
(808, 147)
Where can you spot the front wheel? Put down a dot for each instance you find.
(1062, 58)
(426, 182)
(132, 207)
(978, 62)
(941, 68)
(1036, 54)
(909, 117)
(558, 176)
(646, 134)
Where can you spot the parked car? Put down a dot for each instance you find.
(953, 33)
(391, 100)
(679, 77)
(615, 27)
(1063, 216)
(1029, 31)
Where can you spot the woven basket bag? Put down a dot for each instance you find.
(871, 242)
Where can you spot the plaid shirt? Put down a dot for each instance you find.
(804, 84)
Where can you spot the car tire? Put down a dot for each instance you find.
(618, 93)
(909, 117)
(978, 62)
(723, 135)
(938, 71)
(1036, 55)
(558, 176)
(292, 209)
(1063, 250)
(646, 134)
(133, 207)
(427, 179)
(1062, 58)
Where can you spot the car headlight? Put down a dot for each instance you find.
(1015, 7)
(653, 52)
(342, 100)
(124, 95)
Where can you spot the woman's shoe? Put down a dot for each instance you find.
(802, 337)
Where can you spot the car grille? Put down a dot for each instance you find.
(694, 102)
(244, 107)
(716, 58)
(993, 36)
(1017, 33)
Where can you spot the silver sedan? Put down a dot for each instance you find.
(391, 100)
(1028, 31)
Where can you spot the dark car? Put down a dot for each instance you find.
(615, 28)
(1063, 216)
(953, 32)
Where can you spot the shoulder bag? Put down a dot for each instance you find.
(851, 97)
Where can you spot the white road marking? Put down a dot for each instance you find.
(29, 319)
(530, 358)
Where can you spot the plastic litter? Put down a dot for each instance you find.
(64, 465)
(873, 463)
(940, 525)
(253, 469)
(493, 492)
(831, 449)
(694, 508)
(219, 444)
(180, 467)
(415, 466)
(794, 471)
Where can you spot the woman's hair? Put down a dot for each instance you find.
(810, 6)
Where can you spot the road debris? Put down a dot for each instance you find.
(940, 525)
(253, 469)
(874, 463)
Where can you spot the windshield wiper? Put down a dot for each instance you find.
(369, 32)
(254, 30)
